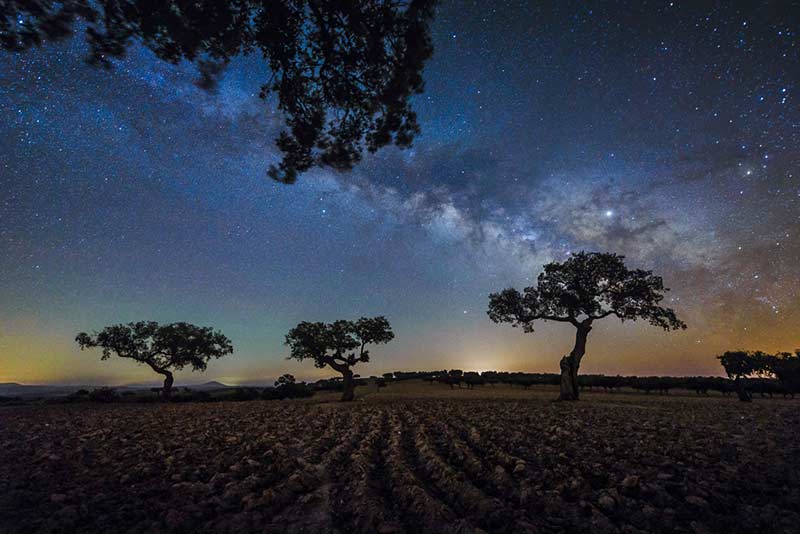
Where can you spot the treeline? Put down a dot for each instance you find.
(701, 385)
(286, 387)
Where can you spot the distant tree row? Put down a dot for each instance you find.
(765, 386)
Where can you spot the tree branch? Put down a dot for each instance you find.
(606, 314)
(555, 318)
(157, 369)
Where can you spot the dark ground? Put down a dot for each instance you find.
(412, 458)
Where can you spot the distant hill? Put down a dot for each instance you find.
(213, 384)
(14, 389)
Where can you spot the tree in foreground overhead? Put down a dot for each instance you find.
(339, 345)
(586, 287)
(343, 72)
(165, 348)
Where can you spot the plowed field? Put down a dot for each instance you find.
(465, 462)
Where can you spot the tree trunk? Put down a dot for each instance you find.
(571, 363)
(168, 381)
(568, 377)
(741, 390)
(348, 386)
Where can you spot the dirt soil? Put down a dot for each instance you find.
(438, 461)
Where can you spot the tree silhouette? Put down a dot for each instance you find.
(739, 364)
(285, 380)
(343, 72)
(785, 366)
(339, 345)
(587, 287)
(165, 348)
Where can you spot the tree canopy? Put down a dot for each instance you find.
(343, 72)
(284, 380)
(587, 286)
(785, 366)
(339, 345)
(743, 363)
(739, 364)
(164, 348)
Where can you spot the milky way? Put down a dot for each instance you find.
(669, 133)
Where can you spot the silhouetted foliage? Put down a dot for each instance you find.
(284, 380)
(662, 385)
(587, 287)
(343, 72)
(472, 379)
(453, 377)
(738, 365)
(164, 348)
(742, 366)
(339, 345)
(286, 387)
(411, 375)
(785, 366)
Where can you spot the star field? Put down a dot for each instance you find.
(666, 131)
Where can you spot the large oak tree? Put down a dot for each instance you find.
(343, 71)
(585, 288)
(164, 348)
(339, 345)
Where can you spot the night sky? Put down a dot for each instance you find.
(668, 132)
